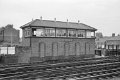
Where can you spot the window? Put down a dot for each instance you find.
(81, 33)
(114, 46)
(49, 32)
(71, 33)
(44, 32)
(61, 33)
(89, 34)
(106, 46)
(27, 32)
(110, 46)
(1, 32)
(103, 46)
(39, 32)
(52, 32)
(117, 46)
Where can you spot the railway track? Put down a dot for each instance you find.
(80, 70)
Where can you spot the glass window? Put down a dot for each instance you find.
(27, 32)
(118, 46)
(11, 50)
(3, 50)
(106, 46)
(49, 32)
(81, 33)
(61, 33)
(1, 32)
(89, 34)
(45, 32)
(114, 46)
(103, 46)
(110, 46)
(39, 32)
(71, 33)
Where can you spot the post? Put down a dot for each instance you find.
(11, 39)
(55, 32)
(94, 34)
(7, 49)
(30, 42)
(85, 34)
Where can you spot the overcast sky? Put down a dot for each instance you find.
(103, 15)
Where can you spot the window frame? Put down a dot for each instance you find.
(73, 31)
(84, 35)
(61, 35)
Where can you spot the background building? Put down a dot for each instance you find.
(106, 44)
(9, 36)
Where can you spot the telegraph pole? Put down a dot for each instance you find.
(11, 39)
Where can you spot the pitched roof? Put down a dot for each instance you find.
(58, 24)
(108, 39)
(115, 38)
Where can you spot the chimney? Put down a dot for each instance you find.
(67, 20)
(41, 18)
(78, 21)
(55, 19)
(113, 34)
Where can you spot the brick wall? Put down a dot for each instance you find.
(47, 47)
(23, 53)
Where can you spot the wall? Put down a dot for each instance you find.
(1, 34)
(57, 47)
(23, 53)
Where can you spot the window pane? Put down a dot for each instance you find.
(27, 32)
(60, 32)
(11, 50)
(106, 46)
(81, 33)
(89, 34)
(114, 46)
(118, 46)
(3, 50)
(39, 32)
(49, 32)
(103, 46)
(110, 47)
(72, 33)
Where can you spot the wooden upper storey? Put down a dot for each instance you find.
(48, 28)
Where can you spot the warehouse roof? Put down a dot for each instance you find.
(58, 24)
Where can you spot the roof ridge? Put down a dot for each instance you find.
(61, 24)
